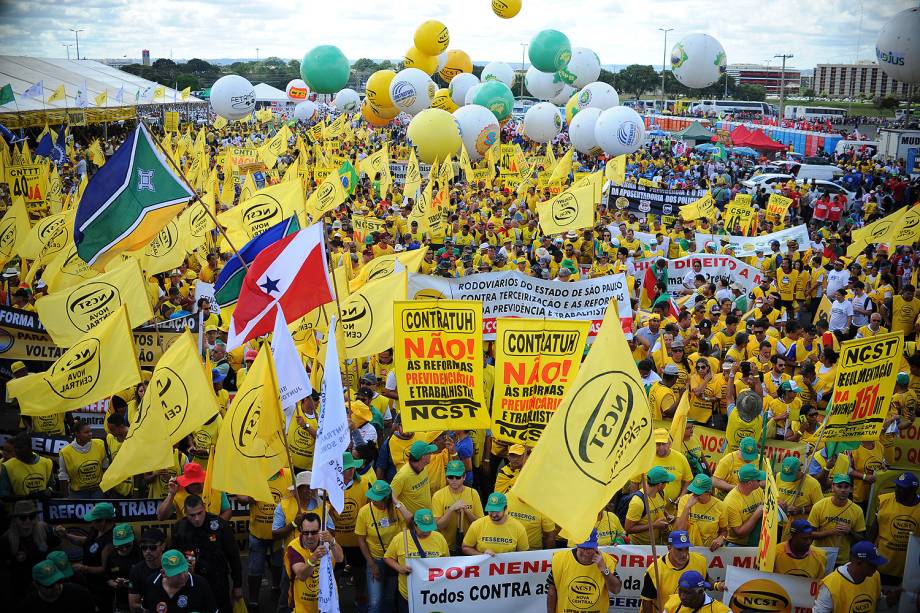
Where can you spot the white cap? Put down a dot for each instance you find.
(303, 478)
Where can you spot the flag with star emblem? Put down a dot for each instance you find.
(290, 273)
(128, 201)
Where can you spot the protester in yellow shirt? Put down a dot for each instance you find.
(650, 500)
(898, 517)
(664, 579)
(865, 461)
(702, 515)
(672, 461)
(455, 506)
(691, 596)
(424, 539)
(796, 497)
(541, 530)
(517, 455)
(797, 557)
(838, 521)
(411, 491)
(582, 579)
(856, 586)
(744, 506)
(375, 528)
(498, 532)
(725, 477)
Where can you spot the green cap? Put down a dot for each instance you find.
(379, 490)
(419, 449)
(701, 484)
(349, 461)
(456, 468)
(903, 378)
(46, 573)
(842, 478)
(496, 502)
(749, 472)
(790, 469)
(62, 562)
(102, 510)
(748, 447)
(789, 386)
(122, 534)
(424, 520)
(173, 562)
(658, 475)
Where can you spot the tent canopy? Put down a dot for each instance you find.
(267, 93)
(758, 140)
(695, 132)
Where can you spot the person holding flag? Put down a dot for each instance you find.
(584, 565)
(302, 562)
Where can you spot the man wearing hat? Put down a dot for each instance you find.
(51, 593)
(691, 596)
(898, 516)
(423, 540)
(376, 525)
(662, 398)
(677, 561)
(119, 563)
(796, 497)
(702, 515)
(649, 500)
(672, 461)
(797, 556)
(785, 407)
(456, 506)
(838, 521)
(152, 545)
(582, 578)
(411, 490)
(190, 482)
(744, 506)
(517, 456)
(177, 590)
(497, 532)
(96, 544)
(855, 586)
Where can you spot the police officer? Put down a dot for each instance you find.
(176, 589)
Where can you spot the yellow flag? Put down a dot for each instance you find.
(57, 94)
(373, 164)
(563, 167)
(413, 176)
(328, 195)
(182, 388)
(67, 270)
(95, 153)
(100, 364)
(14, 228)
(102, 98)
(47, 238)
(551, 157)
(165, 252)
(185, 93)
(366, 326)
(272, 149)
(385, 266)
(249, 447)
(70, 314)
(906, 230)
(264, 209)
(220, 123)
(465, 164)
(573, 209)
(212, 498)
(196, 224)
(679, 423)
(600, 436)
(703, 207)
(766, 549)
(158, 92)
(264, 115)
(445, 173)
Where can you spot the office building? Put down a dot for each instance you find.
(862, 80)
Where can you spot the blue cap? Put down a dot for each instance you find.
(907, 480)
(591, 543)
(802, 526)
(217, 376)
(865, 551)
(692, 580)
(679, 539)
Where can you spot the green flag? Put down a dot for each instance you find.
(6, 94)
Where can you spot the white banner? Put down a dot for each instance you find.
(206, 290)
(908, 602)
(747, 589)
(747, 245)
(645, 238)
(714, 268)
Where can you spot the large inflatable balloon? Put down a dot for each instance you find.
(297, 90)
(378, 88)
(478, 128)
(498, 71)
(386, 112)
(432, 37)
(598, 95)
(497, 97)
(305, 111)
(571, 108)
(898, 46)
(506, 9)
(412, 90)
(435, 135)
(542, 122)
(471, 93)
(583, 68)
(460, 85)
(233, 97)
(347, 101)
(325, 69)
(416, 59)
(542, 85)
(581, 131)
(442, 101)
(457, 62)
(442, 61)
(564, 95)
(618, 130)
(550, 51)
(371, 116)
(698, 60)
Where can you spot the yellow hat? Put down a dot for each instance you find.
(17, 367)
(662, 435)
(191, 275)
(360, 413)
(210, 328)
(517, 449)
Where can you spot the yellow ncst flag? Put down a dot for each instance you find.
(14, 228)
(264, 209)
(615, 170)
(327, 195)
(385, 266)
(366, 327)
(563, 167)
(573, 209)
(100, 364)
(413, 180)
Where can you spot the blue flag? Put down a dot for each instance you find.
(45, 143)
(59, 152)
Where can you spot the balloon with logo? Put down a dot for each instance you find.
(498, 71)
(550, 51)
(325, 69)
(564, 95)
(233, 97)
(416, 59)
(542, 122)
(619, 130)
(458, 62)
(372, 116)
(443, 101)
(697, 61)
(542, 85)
(378, 88)
(571, 108)
(432, 37)
(897, 48)
(479, 129)
(435, 134)
(583, 68)
(598, 95)
(411, 90)
(460, 85)
(506, 9)
(497, 97)
(581, 131)
(297, 90)
(305, 111)
(442, 61)
(347, 101)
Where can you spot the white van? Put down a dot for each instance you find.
(846, 145)
(807, 172)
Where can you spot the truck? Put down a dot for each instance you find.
(895, 144)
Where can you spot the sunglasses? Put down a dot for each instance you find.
(702, 368)
(309, 532)
(453, 477)
(149, 547)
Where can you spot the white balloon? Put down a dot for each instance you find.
(581, 131)
(698, 60)
(479, 129)
(460, 85)
(442, 61)
(597, 95)
(233, 97)
(584, 65)
(542, 85)
(305, 111)
(412, 90)
(898, 46)
(563, 96)
(618, 130)
(498, 71)
(297, 90)
(542, 122)
(471, 93)
(347, 101)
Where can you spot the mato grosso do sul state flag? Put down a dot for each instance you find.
(128, 201)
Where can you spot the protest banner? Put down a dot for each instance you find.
(514, 294)
(713, 445)
(650, 200)
(171, 122)
(439, 365)
(746, 246)
(777, 207)
(766, 549)
(907, 448)
(863, 385)
(363, 225)
(28, 182)
(646, 238)
(46, 445)
(535, 363)
(752, 590)
(738, 213)
(714, 267)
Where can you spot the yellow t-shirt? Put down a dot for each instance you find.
(377, 527)
(670, 574)
(660, 397)
(355, 499)
(705, 519)
(739, 509)
(580, 587)
(433, 545)
(412, 489)
(825, 515)
(636, 512)
(444, 498)
(676, 464)
(728, 467)
(866, 460)
(896, 522)
(849, 596)
(609, 530)
(811, 493)
(484, 534)
(534, 522)
(812, 565)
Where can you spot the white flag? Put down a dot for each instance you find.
(81, 100)
(328, 599)
(293, 382)
(332, 436)
(120, 96)
(36, 91)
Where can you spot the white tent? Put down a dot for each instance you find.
(267, 93)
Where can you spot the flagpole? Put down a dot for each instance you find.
(651, 538)
(281, 433)
(338, 308)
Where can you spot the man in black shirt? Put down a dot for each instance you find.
(51, 594)
(119, 563)
(176, 590)
(152, 545)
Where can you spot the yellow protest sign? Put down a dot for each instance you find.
(766, 550)
(171, 122)
(27, 181)
(364, 225)
(535, 363)
(220, 123)
(863, 386)
(439, 365)
(777, 207)
(738, 214)
(573, 209)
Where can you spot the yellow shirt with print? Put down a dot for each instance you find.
(411, 488)
(580, 587)
(377, 527)
(826, 515)
(536, 524)
(657, 506)
(676, 464)
(433, 545)
(486, 535)
(705, 519)
(812, 566)
(444, 498)
(739, 509)
(896, 522)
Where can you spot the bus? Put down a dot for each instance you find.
(641, 106)
(719, 107)
(813, 113)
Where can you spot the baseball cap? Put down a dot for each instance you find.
(122, 534)
(670, 370)
(749, 472)
(748, 448)
(658, 475)
(192, 473)
(102, 510)
(679, 539)
(790, 469)
(866, 552)
(379, 490)
(517, 449)
(17, 367)
(420, 449)
(789, 386)
(903, 377)
(349, 461)
(677, 343)
(907, 480)
(842, 478)
(591, 543)
(701, 484)
(46, 573)
(662, 435)
(62, 562)
(250, 355)
(802, 526)
(217, 376)
(496, 502)
(424, 520)
(455, 468)
(302, 478)
(210, 328)
(173, 562)
(692, 580)
(153, 535)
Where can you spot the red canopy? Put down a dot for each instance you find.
(739, 135)
(758, 140)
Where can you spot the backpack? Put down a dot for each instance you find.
(622, 506)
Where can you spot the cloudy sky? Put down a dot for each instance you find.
(821, 31)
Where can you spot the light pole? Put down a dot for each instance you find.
(257, 54)
(523, 52)
(664, 57)
(782, 84)
(76, 35)
(68, 45)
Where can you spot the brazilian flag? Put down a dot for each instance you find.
(349, 177)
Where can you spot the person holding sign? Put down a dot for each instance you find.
(575, 579)
(691, 596)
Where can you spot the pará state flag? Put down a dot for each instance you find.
(128, 201)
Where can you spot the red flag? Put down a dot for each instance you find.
(648, 293)
(290, 273)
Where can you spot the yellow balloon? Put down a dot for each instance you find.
(371, 116)
(378, 88)
(416, 59)
(387, 112)
(435, 134)
(457, 61)
(443, 101)
(432, 37)
(506, 9)
(571, 107)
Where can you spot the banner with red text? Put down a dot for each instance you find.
(714, 267)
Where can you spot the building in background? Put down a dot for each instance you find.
(864, 79)
(145, 57)
(768, 77)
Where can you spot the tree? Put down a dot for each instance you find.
(886, 103)
(807, 92)
(751, 92)
(365, 65)
(637, 79)
(184, 80)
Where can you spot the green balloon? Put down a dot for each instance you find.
(497, 97)
(550, 51)
(325, 69)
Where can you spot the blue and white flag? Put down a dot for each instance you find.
(36, 92)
